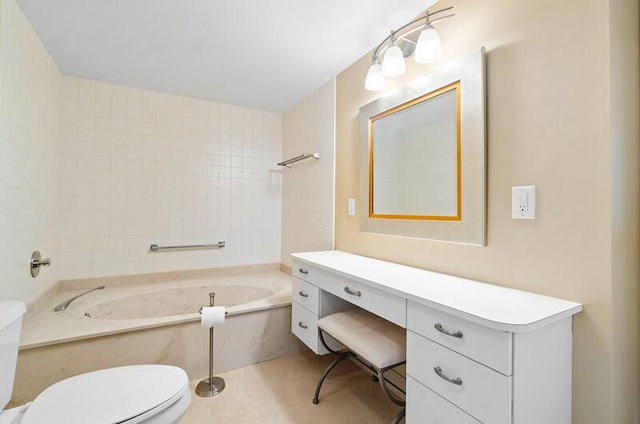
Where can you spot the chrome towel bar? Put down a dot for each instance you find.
(303, 156)
(219, 245)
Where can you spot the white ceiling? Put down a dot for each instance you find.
(254, 53)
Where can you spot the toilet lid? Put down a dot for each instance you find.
(113, 395)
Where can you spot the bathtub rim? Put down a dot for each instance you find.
(96, 327)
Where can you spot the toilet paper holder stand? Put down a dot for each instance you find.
(210, 386)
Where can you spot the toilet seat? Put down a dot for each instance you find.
(115, 395)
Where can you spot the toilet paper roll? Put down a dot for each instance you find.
(212, 316)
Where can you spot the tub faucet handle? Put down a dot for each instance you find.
(36, 262)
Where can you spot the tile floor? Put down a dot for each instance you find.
(280, 392)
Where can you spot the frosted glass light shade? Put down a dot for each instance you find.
(375, 81)
(429, 48)
(393, 62)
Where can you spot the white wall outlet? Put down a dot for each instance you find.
(523, 202)
(351, 207)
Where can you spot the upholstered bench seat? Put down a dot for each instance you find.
(375, 339)
(377, 344)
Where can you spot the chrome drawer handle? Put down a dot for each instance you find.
(351, 292)
(456, 334)
(303, 293)
(303, 271)
(302, 325)
(457, 381)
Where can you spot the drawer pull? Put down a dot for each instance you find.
(303, 271)
(352, 292)
(440, 328)
(302, 325)
(457, 381)
(303, 293)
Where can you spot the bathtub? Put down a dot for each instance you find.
(154, 318)
(182, 300)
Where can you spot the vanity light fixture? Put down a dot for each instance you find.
(402, 43)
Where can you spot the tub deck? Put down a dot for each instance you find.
(43, 326)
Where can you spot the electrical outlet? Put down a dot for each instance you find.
(523, 202)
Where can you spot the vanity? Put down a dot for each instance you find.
(476, 352)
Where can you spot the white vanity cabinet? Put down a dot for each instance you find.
(309, 304)
(491, 375)
(476, 353)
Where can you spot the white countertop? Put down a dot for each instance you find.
(493, 306)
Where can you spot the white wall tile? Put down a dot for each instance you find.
(30, 116)
(154, 168)
(91, 173)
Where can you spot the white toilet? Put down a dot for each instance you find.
(148, 394)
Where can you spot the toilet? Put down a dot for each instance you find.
(148, 394)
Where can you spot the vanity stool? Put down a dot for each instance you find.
(374, 342)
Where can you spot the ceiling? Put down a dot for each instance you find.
(260, 54)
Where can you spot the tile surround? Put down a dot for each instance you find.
(30, 87)
(92, 173)
(141, 167)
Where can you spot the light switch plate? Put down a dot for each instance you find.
(351, 207)
(523, 202)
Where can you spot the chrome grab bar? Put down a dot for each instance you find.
(64, 305)
(220, 244)
(440, 328)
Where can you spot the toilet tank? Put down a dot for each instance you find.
(10, 320)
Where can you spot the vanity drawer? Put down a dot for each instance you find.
(487, 346)
(304, 325)
(426, 407)
(305, 272)
(481, 391)
(305, 294)
(390, 307)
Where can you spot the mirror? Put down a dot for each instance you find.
(414, 146)
(422, 157)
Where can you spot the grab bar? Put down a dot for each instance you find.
(154, 247)
(288, 162)
(64, 305)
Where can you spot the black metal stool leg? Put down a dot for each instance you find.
(385, 390)
(324, 376)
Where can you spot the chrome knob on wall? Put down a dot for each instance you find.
(36, 262)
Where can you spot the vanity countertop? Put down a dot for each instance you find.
(497, 307)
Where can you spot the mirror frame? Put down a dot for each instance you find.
(413, 102)
(470, 71)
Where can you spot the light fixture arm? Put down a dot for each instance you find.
(388, 58)
(380, 49)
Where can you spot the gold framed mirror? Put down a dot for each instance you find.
(410, 144)
(437, 192)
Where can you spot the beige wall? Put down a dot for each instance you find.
(30, 86)
(307, 187)
(548, 125)
(625, 195)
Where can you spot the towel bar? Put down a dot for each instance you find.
(155, 248)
